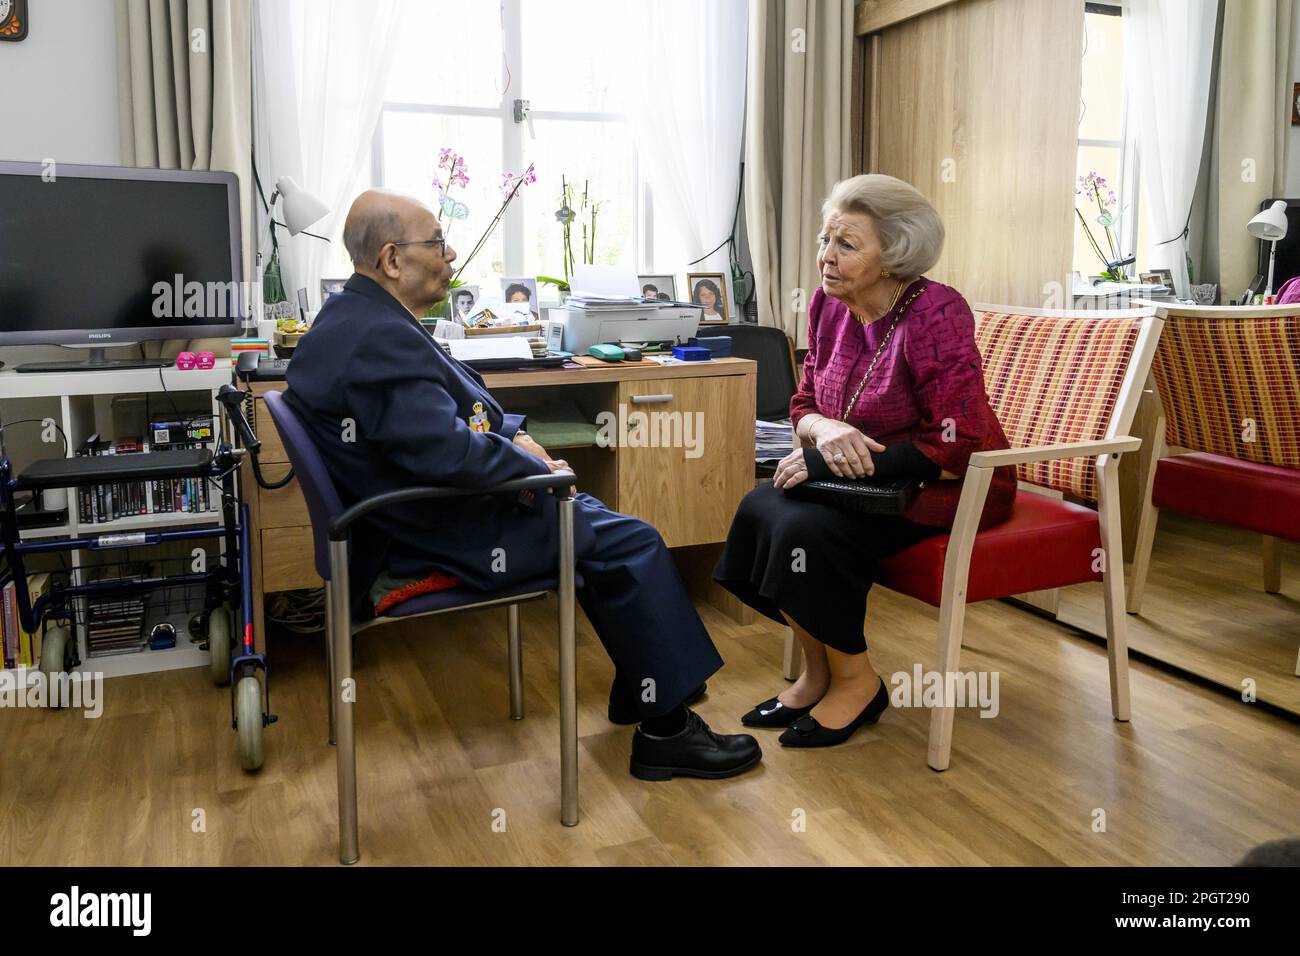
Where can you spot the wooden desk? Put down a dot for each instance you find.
(690, 498)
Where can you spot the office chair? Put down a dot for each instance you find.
(331, 525)
(770, 348)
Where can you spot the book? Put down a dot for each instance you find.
(37, 586)
(11, 632)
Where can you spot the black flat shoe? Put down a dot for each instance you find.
(622, 712)
(773, 713)
(807, 732)
(695, 752)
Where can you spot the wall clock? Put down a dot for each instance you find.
(13, 19)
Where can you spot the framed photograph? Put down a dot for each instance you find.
(1163, 276)
(709, 290)
(521, 290)
(663, 288)
(463, 300)
(330, 287)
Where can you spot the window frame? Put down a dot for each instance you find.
(512, 148)
(1128, 189)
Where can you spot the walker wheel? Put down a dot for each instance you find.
(219, 643)
(54, 647)
(248, 711)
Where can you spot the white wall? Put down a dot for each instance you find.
(58, 99)
(60, 85)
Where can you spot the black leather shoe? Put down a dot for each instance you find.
(695, 752)
(622, 712)
(773, 713)
(807, 732)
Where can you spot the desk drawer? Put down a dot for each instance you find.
(283, 507)
(688, 455)
(288, 560)
(272, 447)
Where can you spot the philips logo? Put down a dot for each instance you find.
(100, 335)
(75, 909)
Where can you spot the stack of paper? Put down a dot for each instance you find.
(772, 440)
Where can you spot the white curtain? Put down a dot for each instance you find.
(320, 70)
(687, 93)
(1168, 56)
(797, 139)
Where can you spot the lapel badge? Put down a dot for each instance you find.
(478, 422)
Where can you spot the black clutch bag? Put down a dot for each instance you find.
(877, 496)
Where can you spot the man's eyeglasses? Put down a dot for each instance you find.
(440, 242)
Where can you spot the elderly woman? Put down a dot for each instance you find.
(892, 387)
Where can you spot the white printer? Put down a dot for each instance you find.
(606, 306)
(585, 327)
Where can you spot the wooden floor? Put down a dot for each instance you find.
(1197, 778)
(1206, 610)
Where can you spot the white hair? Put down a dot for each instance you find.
(909, 228)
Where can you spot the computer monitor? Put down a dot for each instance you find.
(103, 256)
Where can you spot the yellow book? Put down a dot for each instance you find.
(37, 585)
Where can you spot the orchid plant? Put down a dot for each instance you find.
(1094, 187)
(450, 209)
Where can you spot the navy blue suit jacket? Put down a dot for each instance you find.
(388, 408)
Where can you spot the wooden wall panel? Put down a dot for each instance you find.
(976, 104)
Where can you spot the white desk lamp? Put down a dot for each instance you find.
(1270, 225)
(302, 208)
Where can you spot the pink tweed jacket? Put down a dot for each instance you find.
(928, 388)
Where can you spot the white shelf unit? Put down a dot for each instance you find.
(76, 394)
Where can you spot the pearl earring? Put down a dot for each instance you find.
(884, 273)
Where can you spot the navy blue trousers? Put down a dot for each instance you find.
(638, 605)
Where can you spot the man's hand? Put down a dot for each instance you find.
(559, 464)
(525, 441)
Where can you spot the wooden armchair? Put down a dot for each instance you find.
(1065, 386)
(1228, 436)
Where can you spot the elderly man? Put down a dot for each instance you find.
(388, 408)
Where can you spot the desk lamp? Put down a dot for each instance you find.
(1270, 225)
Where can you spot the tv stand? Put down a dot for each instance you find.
(96, 363)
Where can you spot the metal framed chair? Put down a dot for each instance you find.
(1227, 438)
(331, 527)
(1065, 386)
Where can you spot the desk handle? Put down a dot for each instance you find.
(651, 399)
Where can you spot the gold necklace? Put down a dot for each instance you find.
(893, 301)
(880, 350)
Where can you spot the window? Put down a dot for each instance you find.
(1106, 144)
(461, 76)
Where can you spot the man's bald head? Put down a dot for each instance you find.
(377, 217)
(396, 241)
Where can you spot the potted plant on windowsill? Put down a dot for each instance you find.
(1095, 190)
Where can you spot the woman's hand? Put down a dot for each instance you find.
(790, 470)
(847, 451)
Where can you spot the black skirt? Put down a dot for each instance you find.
(814, 562)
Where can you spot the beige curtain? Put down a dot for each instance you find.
(796, 145)
(184, 90)
(1252, 122)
